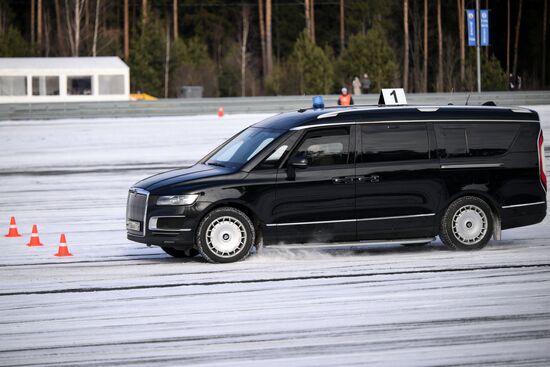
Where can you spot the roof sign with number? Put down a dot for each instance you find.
(395, 96)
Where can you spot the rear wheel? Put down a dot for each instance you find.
(467, 224)
(180, 253)
(225, 235)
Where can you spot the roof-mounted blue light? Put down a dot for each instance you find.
(318, 102)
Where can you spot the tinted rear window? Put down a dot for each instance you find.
(475, 140)
(393, 142)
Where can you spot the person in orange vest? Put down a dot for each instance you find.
(345, 98)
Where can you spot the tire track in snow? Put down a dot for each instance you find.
(267, 280)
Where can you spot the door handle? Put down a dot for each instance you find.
(371, 179)
(342, 180)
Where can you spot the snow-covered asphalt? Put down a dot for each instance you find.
(116, 302)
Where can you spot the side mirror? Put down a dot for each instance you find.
(292, 164)
(298, 162)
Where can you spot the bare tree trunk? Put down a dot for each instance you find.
(262, 35)
(244, 41)
(544, 27)
(77, 12)
(416, 45)
(167, 60)
(516, 41)
(308, 17)
(487, 47)
(96, 28)
(406, 45)
(508, 43)
(39, 23)
(312, 20)
(86, 15)
(32, 20)
(175, 18)
(460, 4)
(342, 26)
(268, 40)
(46, 34)
(439, 83)
(2, 19)
(58, 25)
(144, 12)
(69, 27)
(126, 32)
(425, 71)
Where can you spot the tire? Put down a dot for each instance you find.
(180, 253)
(225, 235)
(467, 224)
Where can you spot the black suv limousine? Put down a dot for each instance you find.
(381, 174)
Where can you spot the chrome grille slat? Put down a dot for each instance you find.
(136, 209)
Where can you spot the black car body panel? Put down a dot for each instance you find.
(379, 173)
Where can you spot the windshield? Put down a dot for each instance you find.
(244, 147)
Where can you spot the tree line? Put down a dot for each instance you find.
(270, 47)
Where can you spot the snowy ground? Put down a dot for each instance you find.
(118, 302)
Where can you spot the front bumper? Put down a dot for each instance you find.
(184, 240)
(147, 223)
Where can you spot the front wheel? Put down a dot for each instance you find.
(467, 224)
(225, 235)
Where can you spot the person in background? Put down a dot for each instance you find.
(345, 98)
(356, 86)
(365, 83)
(511, 84)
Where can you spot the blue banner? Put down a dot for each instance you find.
(484, 27)
(471, 22)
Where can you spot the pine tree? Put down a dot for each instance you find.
(372, 54)
(312, 65)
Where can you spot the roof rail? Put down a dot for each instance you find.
(419, 108)
(344, 110)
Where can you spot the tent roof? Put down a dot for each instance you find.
(62, 63)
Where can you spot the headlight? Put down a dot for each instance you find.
(177, 199)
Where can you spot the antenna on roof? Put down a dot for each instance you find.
(467, 99)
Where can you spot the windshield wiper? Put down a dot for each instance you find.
(215, 164)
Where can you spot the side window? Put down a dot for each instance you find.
(455, 142)
(393, 142)
(45, 85)
(326, 147)
(475, 140)
(485, 140)
(79, 85)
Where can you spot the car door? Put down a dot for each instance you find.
(398, 184)
(317, 203)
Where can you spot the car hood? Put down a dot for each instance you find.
(181, 175)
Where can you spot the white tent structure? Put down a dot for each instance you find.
(63, 79)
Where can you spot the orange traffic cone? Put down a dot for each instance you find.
(63, 250)
(35, 240)
(220, 112)
(13, 229)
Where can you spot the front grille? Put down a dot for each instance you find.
(136, 209)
